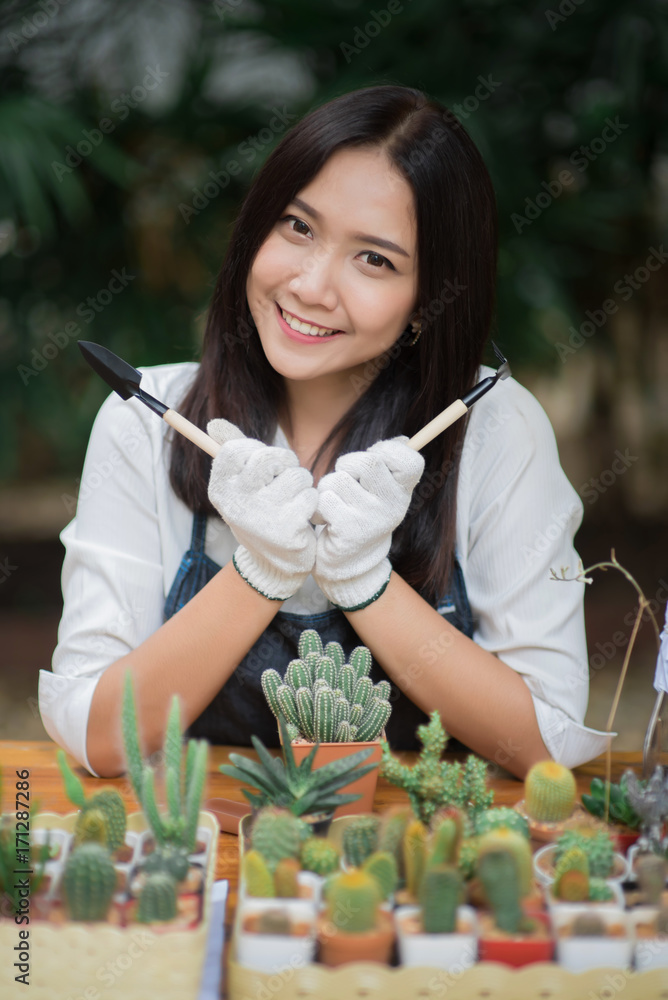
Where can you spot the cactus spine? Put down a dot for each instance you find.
(276, 834)
(353, 898)
(439, 897)
(157, 899)
(360, 838)
(549, 792)
(89, 881)
(320, 855)
(326, 699)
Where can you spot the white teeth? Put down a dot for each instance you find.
(295, 324)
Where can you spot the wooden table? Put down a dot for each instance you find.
(46, 784)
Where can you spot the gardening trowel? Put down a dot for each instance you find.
(124, 379)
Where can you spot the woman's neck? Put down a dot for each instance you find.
(312, 409)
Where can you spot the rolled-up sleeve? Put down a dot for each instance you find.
(112, 571)
(522, 518)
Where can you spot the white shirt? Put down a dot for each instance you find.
(517, 515)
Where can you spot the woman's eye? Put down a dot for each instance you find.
(379, 257)
(377, 263)
(300, 222)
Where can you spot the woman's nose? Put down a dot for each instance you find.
(315, 279)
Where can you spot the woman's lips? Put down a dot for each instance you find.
(302, 338)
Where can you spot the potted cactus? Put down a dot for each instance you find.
(621, 817)
(650, 931)
(354, 926)
(272, 867)
(592, 937)
(334, 704)
(440, 932)
(573, 883)
(549, 804)
(597, 844)
(272, 934)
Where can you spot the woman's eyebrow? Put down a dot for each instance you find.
(362, 237)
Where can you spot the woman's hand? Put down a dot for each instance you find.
(267, 499)
(360, 504)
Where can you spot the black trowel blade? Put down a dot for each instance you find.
(118, 374)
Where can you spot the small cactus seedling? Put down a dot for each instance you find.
(549, 792)
(441, 892)
(256, 875)
(588, 925)
(107, 805)
(276, 833)
(157, 899)
(89, 881)
(360, 838)
(170, 859)
(275, 921)
(498, 816)
(353, 899)
(597, 845)
(285, 878)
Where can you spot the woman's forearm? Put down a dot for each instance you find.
(192, 655)
(481, 700)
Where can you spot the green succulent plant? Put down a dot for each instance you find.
(325, 699)
(297, 787)
(620, 809)
(102, 816)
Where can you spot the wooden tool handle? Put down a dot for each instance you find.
(438, 424)
(193, 433)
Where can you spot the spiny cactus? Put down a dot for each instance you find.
(276, 833)
(382, 866)
(572, 885)
(440, 894)
(515, 844)
(360, 838)
(353, 898)
(89, 881)
(445, 838)
(415, 856)
(157, 899)
(600, 891)
(91, 828)
(588, 924)
(468, 856)
(320, 855)
(597, 845)
(184, 782)
(549, 792)
(499, 875)
(498, 816)
(285, 878)
(170, 859)
(107, 803)
(393, 825)
(256, 875)
(325, 699)
(651, 874)
(432, 783)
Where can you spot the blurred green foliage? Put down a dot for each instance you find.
(549, 78)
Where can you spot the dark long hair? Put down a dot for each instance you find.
(409, 385)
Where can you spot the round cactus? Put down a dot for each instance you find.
(110, 803)
(597, 845)
(360, 838)
(353, 899)
(572, 885)
(549, 792)
(492, 819)
(168, 858)
(382, 866)
(89, 881)
(157, 899)
(276, 834)
(320, 855)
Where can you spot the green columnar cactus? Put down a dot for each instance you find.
(285, 878)
(432, 783)
(588, 925)
(184, 783)
(107, 802)
(276, 833)
(360, 838)
(415, 854)
(353, 898)
(382, 866)
(515, 844)
(256, 875)
(168, 858)
(549, 792)
(446, 834)
(498, 816)
(651, 873)
(89, 881)
(157, 899)
(597, 845)
(391, 834)
(320, 855)
(498, 873)
(325, 699)
(441, 892)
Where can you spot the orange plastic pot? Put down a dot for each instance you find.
(366, 785)
(338, 947)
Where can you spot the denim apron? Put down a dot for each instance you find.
(240, 707)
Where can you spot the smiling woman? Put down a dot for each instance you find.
(354, 302)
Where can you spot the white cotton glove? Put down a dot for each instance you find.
(361, 503)
(267, 499)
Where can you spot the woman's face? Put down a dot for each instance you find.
(323, 264)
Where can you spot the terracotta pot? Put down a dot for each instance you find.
(328, 752)
(517, 950)
(623, 838)
(338, 947)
